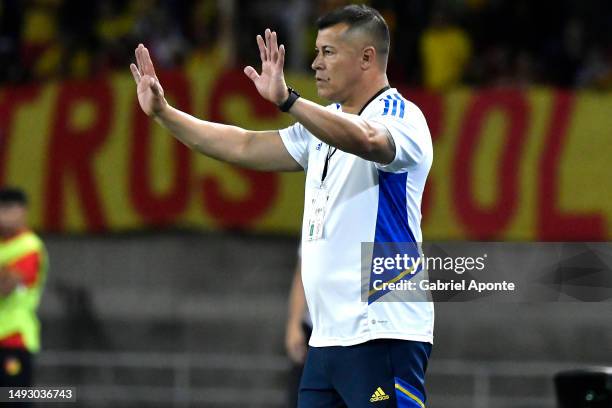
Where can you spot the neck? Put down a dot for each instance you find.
(364, 92)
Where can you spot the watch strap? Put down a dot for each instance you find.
(293, 96)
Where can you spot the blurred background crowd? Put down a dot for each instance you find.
(436, 44)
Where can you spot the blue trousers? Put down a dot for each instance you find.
(375, 374)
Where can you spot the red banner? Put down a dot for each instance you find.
(508, 164)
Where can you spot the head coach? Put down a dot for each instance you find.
(366, 158)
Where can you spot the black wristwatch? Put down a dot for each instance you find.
(293, 96)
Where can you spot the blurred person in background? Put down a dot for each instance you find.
(445, 51)
(366, 157)
(564, 46)
(297, 333)
(23, 269)
(40, 51)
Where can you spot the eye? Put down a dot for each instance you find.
(327, 52)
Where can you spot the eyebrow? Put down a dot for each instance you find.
(325, 46)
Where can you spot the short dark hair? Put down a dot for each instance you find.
(13, 195)
(360, 17)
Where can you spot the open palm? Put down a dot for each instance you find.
(271, 82)
(150, 92)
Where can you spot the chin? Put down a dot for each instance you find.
(326, 94)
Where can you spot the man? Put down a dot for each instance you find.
(23, 268)
(366, 158)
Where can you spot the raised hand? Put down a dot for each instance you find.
(271, 82)
(150, 92)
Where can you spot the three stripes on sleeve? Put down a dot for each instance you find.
(394, 105)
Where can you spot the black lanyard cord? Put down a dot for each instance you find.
(330, 153)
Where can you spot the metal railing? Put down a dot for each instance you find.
(180, 389)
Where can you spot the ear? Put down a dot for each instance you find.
(368, 58)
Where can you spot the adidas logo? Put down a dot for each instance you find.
(379, 395)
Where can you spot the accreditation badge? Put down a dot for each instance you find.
(316, 214)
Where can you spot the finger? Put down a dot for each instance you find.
(140, 58)
(262, 49)
(281, 56)
(251, 73)
(273, 47)
(268, 34)
(148, 64)
(135, 73)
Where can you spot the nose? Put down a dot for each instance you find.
(317, 63)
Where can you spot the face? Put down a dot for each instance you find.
(12, 218)
(337, 64)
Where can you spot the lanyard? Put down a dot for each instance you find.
(331, 151)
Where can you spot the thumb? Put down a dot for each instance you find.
(251, 73)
